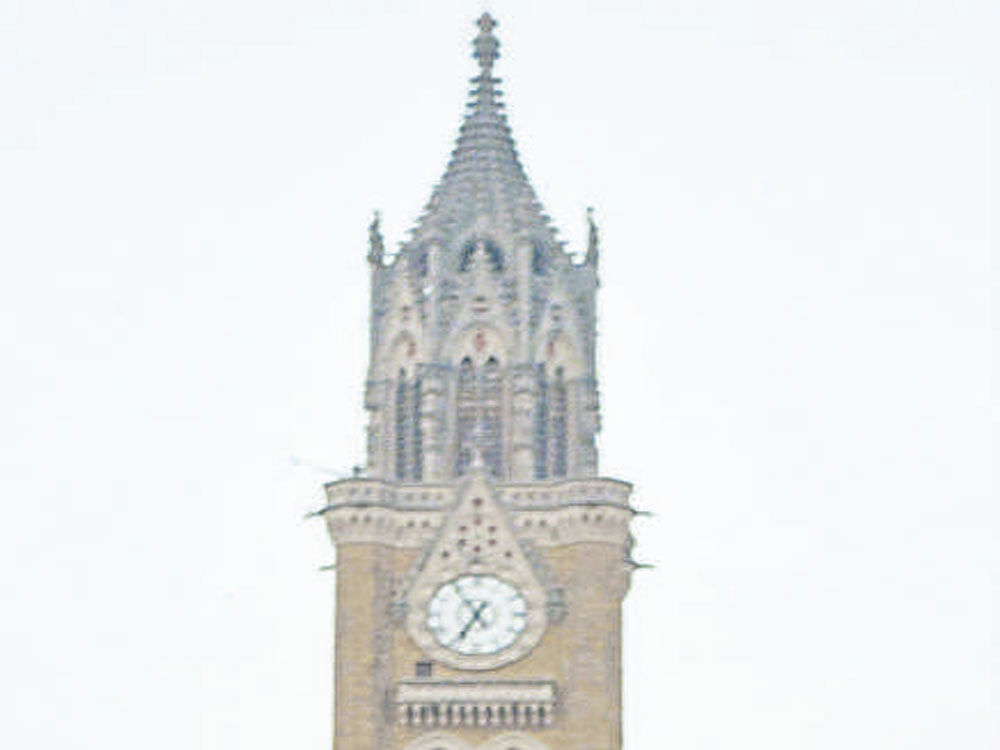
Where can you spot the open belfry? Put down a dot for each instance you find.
(481, 559)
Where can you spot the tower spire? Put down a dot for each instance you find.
(484, 180)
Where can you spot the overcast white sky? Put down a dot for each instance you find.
(795, 200)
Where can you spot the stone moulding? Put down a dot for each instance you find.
(546, 528)
(505, 741)
(546, 514)
(360, 491)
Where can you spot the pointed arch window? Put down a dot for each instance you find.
(559, 419)
(402, 423)
(551, 428)
(417, 451)
(478, 418)
(492, 392)
(542, 425)
(493, 253)
(408, 449)
(465, 418)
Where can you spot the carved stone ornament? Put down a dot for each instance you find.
(476, 541)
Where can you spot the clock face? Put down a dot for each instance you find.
(476, 614)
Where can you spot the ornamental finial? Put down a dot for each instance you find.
(376, 246)
(487, 46)
(593, 238)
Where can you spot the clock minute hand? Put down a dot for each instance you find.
(476, 617)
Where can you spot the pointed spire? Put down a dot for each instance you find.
(376, 246)
(484, 184)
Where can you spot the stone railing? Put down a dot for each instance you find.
(435, 703)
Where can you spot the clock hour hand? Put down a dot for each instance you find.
(467, 602)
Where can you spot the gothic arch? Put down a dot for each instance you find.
(479, 414)
(401, 423)
(438, 741)
(562, 334)
(494, 254)
(555, 415)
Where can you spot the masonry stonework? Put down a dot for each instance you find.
(481, 559)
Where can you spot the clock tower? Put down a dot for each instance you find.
(481, 559)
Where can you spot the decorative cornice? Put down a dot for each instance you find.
(547, 514)
(363, 491)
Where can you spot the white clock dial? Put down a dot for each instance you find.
(476, 614)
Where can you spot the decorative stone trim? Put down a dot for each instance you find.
(414, 529)
(381, 525)
(548, 514)
(504, 741)
(381, 492)
(571, 525)
(595, 491)
(477, 539)
(519, 704)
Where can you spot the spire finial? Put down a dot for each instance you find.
(487, 46)
(376, 246)
(593, 237)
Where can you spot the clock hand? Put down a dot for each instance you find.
(467, 602)
(476, 611)
(476, 617)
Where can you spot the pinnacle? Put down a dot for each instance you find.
(487, 46)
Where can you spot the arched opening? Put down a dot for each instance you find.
(559, 420)
(493, 253)
(491, 405)
(465, 417)
(542, 424)
(551, 424)
(479, 415)
(417, 450)
(402, 415)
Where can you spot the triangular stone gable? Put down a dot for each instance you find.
(477, 539)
